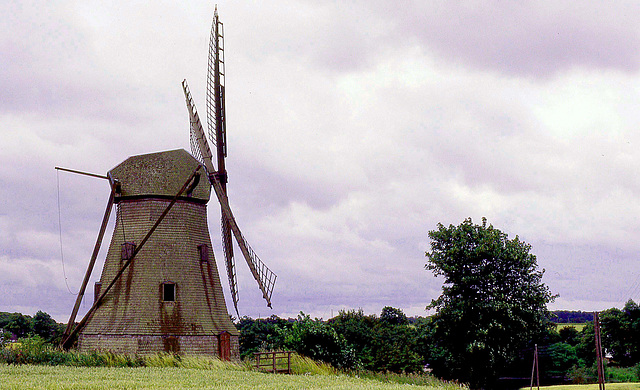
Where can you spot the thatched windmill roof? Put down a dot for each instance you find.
(158, 175)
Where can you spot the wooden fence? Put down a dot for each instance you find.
(276, 362)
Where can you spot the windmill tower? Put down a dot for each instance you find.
(160, 289)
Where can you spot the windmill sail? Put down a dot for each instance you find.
(262, 274)
(215, 85)
(216, 123)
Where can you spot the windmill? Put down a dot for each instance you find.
(160, 289)
(216, 120)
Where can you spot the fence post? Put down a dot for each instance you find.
(273, 361)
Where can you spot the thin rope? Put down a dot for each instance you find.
(66, 280)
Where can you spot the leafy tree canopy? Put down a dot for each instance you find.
(493, 301)
(319, 341)
(16, 323)
(621, 332)
(572, 316)
(260, 334)
(393, 316)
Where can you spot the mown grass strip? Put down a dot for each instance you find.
(577, 326)
(608, 386)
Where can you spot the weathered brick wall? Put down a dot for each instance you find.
(149, 345)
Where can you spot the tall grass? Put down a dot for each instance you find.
(35, 352)
(302, 365)
(410, 379)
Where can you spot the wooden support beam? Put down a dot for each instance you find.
(92, 262)
(82, 173)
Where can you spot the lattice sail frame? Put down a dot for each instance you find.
(265, 278)
(193, 140)
(216, 126)
(215, 67)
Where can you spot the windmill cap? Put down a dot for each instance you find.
(159, 175)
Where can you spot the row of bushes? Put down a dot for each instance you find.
(392, 342)
(351, 340)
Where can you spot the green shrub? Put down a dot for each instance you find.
(559, 360)
(319, 341)
(621, 374)
(261, 335)
(582, 375)
(32, 350)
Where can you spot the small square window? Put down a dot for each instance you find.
(168, 292)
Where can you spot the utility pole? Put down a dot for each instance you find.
(599, 360)
(535, 369)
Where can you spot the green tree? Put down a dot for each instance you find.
(393, 316)
(260, 334)
(569, 335)
(426, 345)
(45, 326)
(319, 341)
(493, 301)
(621, 333)
(387, 343)
(20, 325)
(394, 343)
(586, 348)
(558, 360)
(357, 329)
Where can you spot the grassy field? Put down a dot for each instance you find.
(608, 386)
(61, 377)
(578, 327)
(35, 365)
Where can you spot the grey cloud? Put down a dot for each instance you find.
(537, 39)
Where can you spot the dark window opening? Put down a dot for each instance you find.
(127, 250)
(168, 292)
(96, 291)
(203, 250)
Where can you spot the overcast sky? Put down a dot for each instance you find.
(353, 129)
